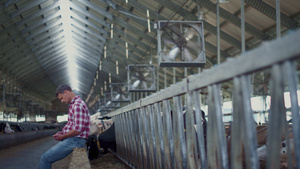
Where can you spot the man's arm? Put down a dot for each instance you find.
(59, 136)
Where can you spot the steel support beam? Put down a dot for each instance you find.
(271, 12)
(235, 20)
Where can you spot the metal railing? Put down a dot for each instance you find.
(152, 132)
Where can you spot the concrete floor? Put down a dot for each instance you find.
(25, 156)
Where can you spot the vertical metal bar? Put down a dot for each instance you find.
(278, 22)
(200, 133)
(168, 136)
(250, 130)
(146, 137)
(218, 33)
(292, 82)
(117, 128)
(277, 107)
(132, 97)
(159, 136)
(137, 139)
(190, 133)
(124, 141)
(153, 148)
(243, 27)
(211, 133)
(128, 135)
(118, 135)
(236, 145)
(179, 137)
(220, 127)
(141, 140)
(165, 78)
(174, 75)
(132, 128)
(121, 137)
(157, 85)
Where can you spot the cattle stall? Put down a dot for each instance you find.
(153, 133)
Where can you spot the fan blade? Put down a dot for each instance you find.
(145, 74)
(108, 103)
(124, 97)
(189, 33)
(136, 83)
(149, 79)
(168, 42)
(124, 88)
(173, 53)
(194, 46)
(187, 55)
(144, 84)
(117, 97)
(133, 78)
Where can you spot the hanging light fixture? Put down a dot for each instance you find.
(112, 31)
(117, 67)
(109, 78)
(105, 52)
(148, 20)
(126, 45)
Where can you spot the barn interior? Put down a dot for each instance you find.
(115, 52)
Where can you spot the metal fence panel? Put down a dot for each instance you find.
(152, 132)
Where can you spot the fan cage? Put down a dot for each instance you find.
(35, 108)
(26, 105)
(2, 92)
(109, 103)
(163, 61)
(123, 97)
(146, 68)
(13, 99)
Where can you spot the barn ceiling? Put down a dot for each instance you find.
(44, 43)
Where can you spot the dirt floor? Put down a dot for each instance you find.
(107, 161)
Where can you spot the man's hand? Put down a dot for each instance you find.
(58, 136)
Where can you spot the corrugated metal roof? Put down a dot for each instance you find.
(32, 37)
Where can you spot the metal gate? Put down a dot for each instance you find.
(152, 132)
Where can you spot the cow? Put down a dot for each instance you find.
(8, 129)
(262, 147)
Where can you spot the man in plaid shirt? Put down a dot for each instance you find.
(74, 133)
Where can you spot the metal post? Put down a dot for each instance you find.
(157, 84)
(218, 33)
(278, 24)
(243, 27)
(174, 75)
(165, 78)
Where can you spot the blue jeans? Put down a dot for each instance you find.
(60, 151)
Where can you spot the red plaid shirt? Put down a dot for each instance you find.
(78, 118)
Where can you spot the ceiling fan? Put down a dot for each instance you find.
(141, 78)
(120, 93)
(181, 44)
